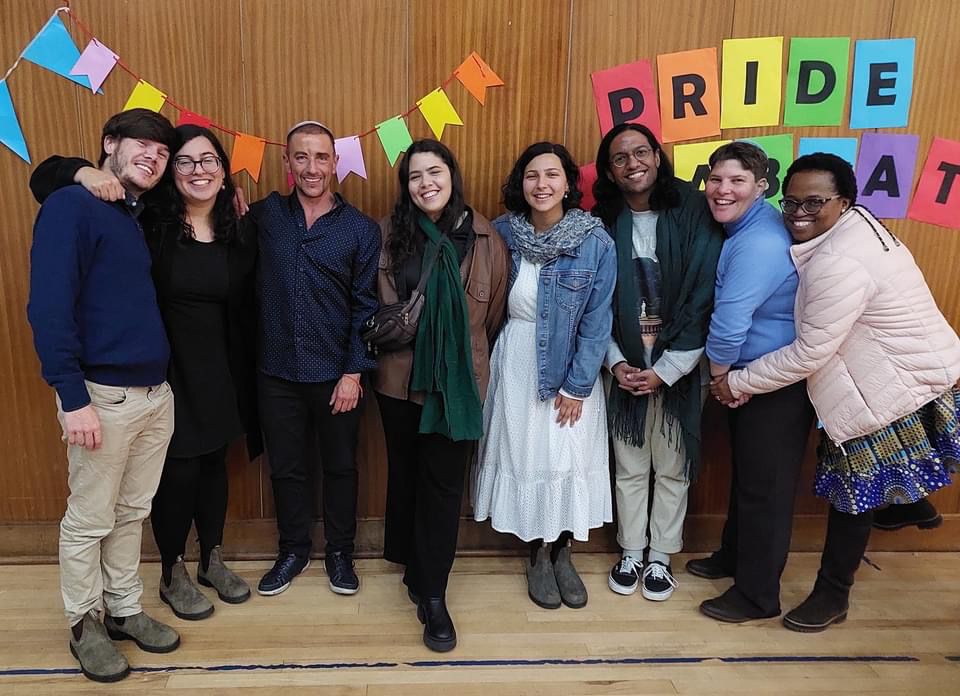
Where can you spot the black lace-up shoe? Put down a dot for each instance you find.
(278, 578)
(921, 513)
(343, 578)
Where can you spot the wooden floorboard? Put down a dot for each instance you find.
(902, 631)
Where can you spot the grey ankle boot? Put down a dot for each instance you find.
(99, 658)
(541, 583)
(572, 591)
(230, 587)
(149, 634)
(183, 596)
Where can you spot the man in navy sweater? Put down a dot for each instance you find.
(102, 347)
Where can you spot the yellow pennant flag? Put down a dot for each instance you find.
(438, 111)
(145, 96)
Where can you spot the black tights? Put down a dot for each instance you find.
(562, 540)
(193, 490)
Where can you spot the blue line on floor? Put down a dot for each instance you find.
(584, 662)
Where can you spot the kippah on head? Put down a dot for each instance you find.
(309, 127)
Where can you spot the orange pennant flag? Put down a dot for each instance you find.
(247, 154)
(476, 76)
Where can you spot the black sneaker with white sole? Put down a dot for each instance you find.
(343, 578)
(278, 578)
(625, 575)
(658, 582)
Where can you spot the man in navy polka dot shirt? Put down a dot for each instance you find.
(318, 267)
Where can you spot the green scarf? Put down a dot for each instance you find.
(688, 248)
(442, 354)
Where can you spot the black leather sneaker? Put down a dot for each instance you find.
(343, 578)
(278, 578)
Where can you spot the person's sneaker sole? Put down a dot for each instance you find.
(931, 523)
(182, 614)
(271, 593)
(100, 678)
(336, 589)
(813, 628)
(159, 649)
(661, 596)
(621, 589)
(224, 598)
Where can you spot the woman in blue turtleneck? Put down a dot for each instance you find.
(752, 316)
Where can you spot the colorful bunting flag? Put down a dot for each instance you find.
(188, 117)
(247, 155)
(476, 76)
(394, 137)
(54, 50)
(95, 62)
(438, 111)
(350, 158)
(10, 133)
(145, 96)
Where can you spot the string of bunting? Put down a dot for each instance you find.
(53, 49)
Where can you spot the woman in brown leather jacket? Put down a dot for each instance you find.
(430, 392)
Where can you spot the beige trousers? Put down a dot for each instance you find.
(111, 489)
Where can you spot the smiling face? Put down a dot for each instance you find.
(731, 190)
(429, 183)
(544, 186)
(814, 186)
(638, 174)
(137, 163)
(312, 162)
(199, 187)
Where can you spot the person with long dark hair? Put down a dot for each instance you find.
(542, 474)
(667, 250)
(430, 393)
(203, 269)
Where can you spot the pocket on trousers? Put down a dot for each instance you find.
(103, 395)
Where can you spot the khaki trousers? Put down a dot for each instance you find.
(111, 489)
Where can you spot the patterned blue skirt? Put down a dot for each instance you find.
(901, 463)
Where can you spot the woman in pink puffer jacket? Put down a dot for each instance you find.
(882, 366)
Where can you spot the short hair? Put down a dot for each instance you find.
(512, 188)
(844, 180)
(311, 128)
(141, 124)
(750, 156)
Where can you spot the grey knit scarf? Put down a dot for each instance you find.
(540, 247)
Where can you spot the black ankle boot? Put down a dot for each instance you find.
(824, 606)
(438, 632)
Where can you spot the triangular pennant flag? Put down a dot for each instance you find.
(188, 117)
(394, 137)
(350, 156)
(10, 133)
(247, 154)
(145, 96)
(476, 76)
(438, 111)
(95, 62)
(53, 49)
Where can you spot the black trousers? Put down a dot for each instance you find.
(847, 537)
(424, 489)
(768, 437)
(290, 413)
(192, 490)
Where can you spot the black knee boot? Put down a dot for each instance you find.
(847, 537)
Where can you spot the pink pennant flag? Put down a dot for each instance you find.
(95, 62)
(188, 117)
(350, 158)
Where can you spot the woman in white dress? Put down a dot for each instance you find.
(543, 470)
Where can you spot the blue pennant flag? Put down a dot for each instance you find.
(10, 133)
(54, 50)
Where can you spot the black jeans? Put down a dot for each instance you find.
(847, 537)
(768, 437)
(192, 490)
(424, 488)
(291, 412)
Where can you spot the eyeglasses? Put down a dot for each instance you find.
(811, 206)
(186, 166)
(620, 159)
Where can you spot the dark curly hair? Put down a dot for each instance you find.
(168, 205)
(403, 239)
(844, 179)
(512, 189)
(610, 199)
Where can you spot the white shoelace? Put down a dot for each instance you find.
(660, 572)
(629, 566)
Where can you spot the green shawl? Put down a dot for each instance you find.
(442, 355)
(688, 248)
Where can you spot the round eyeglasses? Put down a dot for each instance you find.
(811, 206)
(187, 166)
(620, 159)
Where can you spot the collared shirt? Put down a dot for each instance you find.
(317, 288)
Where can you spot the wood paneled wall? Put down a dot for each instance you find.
(259, 65)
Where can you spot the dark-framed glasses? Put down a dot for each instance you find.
(186, 165)
(811, 206)
(620, 159)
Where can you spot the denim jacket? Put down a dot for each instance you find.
(574, 311)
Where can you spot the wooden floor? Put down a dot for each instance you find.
(902, 637)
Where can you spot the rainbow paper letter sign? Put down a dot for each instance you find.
(816, 82)
(625, 94)
(689, 94)
(691, 161)
(937, 199)
(882, 83)
(752, 78)
(845, 148)
(885, 172)
(779, 151)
